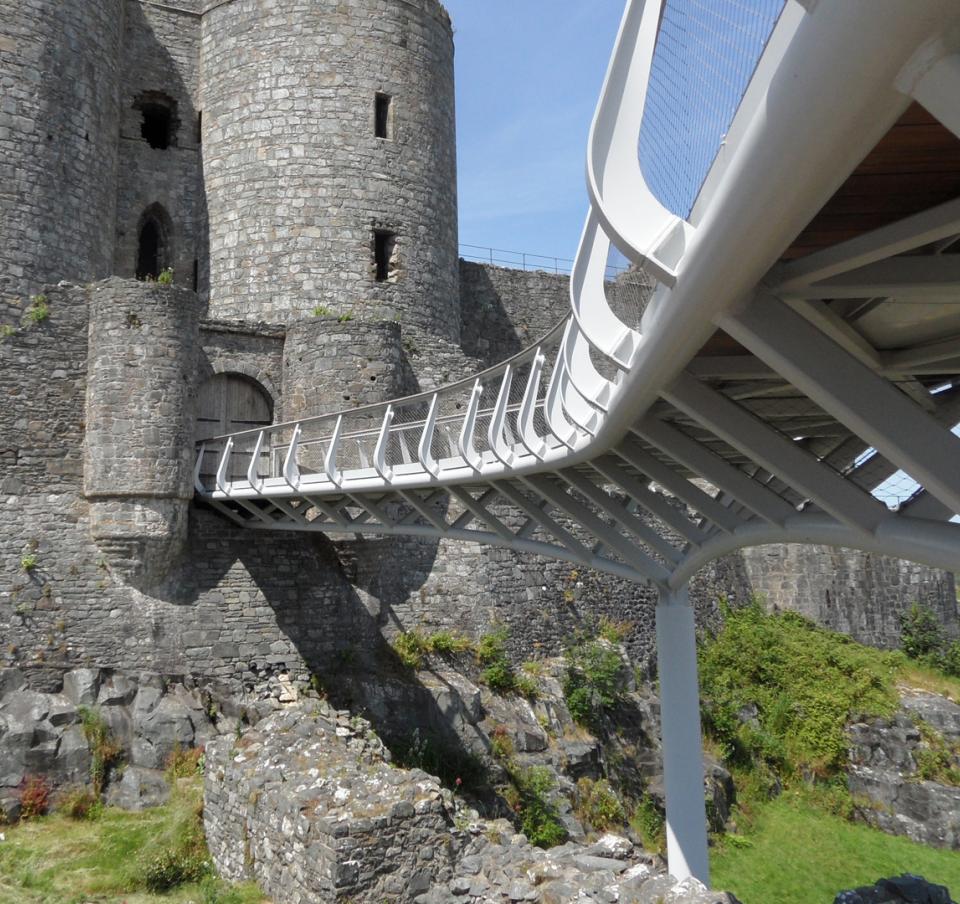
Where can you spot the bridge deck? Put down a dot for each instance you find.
(793, 376)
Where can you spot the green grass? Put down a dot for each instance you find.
(57, 860)
(800, 855)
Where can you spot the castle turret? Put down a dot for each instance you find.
(138, 463)
(58, 140)
(329, 159)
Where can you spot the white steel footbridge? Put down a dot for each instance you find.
(793, 377)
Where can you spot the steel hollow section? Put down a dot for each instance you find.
(549, 408)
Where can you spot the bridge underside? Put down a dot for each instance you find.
(794, 378)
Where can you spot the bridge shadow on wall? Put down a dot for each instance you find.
(266, 604)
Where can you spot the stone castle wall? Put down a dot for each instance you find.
(857, 593)
(59, 68)
(160, 62)
(297, 180)
(245, 605)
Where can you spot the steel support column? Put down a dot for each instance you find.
(680, 733)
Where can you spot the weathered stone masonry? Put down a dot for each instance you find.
(128, 573)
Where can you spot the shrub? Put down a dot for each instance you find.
(7, 330)
(492, 647)
(166, 277)
(526, 686)
(593, 682)
(499, 676)
(936, 761)
(173, 867)
(950, 660)
(34, 797)
(648, 822)
(104, 751)
(501, 744)
(778, 691)
(80, 804)
(538, 816)
(498, 673)
(321, 310)
(599, 806)
(920, 632)
(29, 561)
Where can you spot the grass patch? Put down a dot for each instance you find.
(923, 677)
(58, 860)
(800, 855)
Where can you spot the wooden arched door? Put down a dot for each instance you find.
(230, 403)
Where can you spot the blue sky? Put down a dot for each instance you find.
(528, 76)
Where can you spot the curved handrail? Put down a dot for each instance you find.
(631, 215)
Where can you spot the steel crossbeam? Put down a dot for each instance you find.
(598, 468)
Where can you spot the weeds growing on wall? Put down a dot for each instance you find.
(37, 311)
(413, 647)
(530, 797)
(497, 670)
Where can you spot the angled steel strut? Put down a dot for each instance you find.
(636, 448)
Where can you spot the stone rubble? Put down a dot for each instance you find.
(307, 803)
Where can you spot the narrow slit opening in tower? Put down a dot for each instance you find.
(148, 252)
(157, 126)
(383, 118)
(384, 248)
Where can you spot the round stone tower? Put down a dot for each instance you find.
(330, 160)
(59, 118)
(138, 455)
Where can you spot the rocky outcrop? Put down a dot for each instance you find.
(903, 771)
(307, 803)
(446, 706)
(146, 716)
(905, 889)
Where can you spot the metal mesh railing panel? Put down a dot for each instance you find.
(707, 51)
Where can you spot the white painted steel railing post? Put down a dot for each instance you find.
(680, 733)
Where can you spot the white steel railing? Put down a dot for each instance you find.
(533, 411)
(582, 438)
